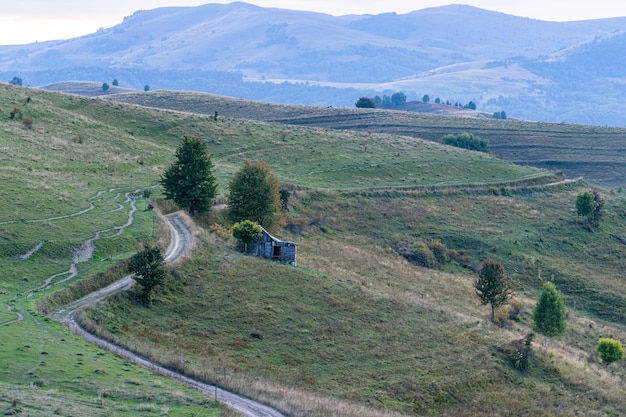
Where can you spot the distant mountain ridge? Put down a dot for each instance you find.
(532, 69)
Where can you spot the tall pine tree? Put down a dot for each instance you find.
(189, 181)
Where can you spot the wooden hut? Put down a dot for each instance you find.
(270, 247)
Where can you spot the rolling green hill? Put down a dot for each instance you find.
(355, 329)
(596, 153)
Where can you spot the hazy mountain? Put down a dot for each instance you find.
(529, 68)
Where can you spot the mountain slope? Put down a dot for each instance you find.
(459, 53)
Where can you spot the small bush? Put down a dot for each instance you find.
(417, 253)
(16, 114)
(223, 232)
(246, 232)
(440, 251)
(27, 122)
(522, 353)
(515, 309)
(610, 350)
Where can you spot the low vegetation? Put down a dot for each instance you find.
(466, 140)
(359, 328)
(593, 152)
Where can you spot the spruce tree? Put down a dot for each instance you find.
(491, 286)
(549, 315)
(190, 181)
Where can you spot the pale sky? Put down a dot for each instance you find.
(25, 21)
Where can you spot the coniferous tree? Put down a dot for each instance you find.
(189, 181)
(492, 286)
(549, 315)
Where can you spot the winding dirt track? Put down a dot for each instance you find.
(180, 245)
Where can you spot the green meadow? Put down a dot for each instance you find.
(355, 329)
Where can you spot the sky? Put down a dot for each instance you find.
(26, 21)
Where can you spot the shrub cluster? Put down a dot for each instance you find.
(430, 254)
(522, 353)
(466, 141)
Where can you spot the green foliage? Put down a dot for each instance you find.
(426, 98)
(471, 105)
(417, 253)
(16, 81)
(284, 198)
(115, 83)
(439, 251)
(398, 99)
(365, 103)
(610, 350)
(432, 254)
(105, 87)
(522, 353)
(254, 195)
(549, 316)
(246, 232)
(499, 115)
(16, 113)
(599, 212)
(585, 204)
(492, 286)
(149, 269)
(189, 181)
(590, 206)
(146, 87)
(466, 141)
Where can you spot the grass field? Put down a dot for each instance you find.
(595, 152)
(355, 330)
(357, 323)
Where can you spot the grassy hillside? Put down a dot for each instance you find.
(594, 152)
(355, 322)
(355, 329)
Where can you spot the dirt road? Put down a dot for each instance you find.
(180, 245)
